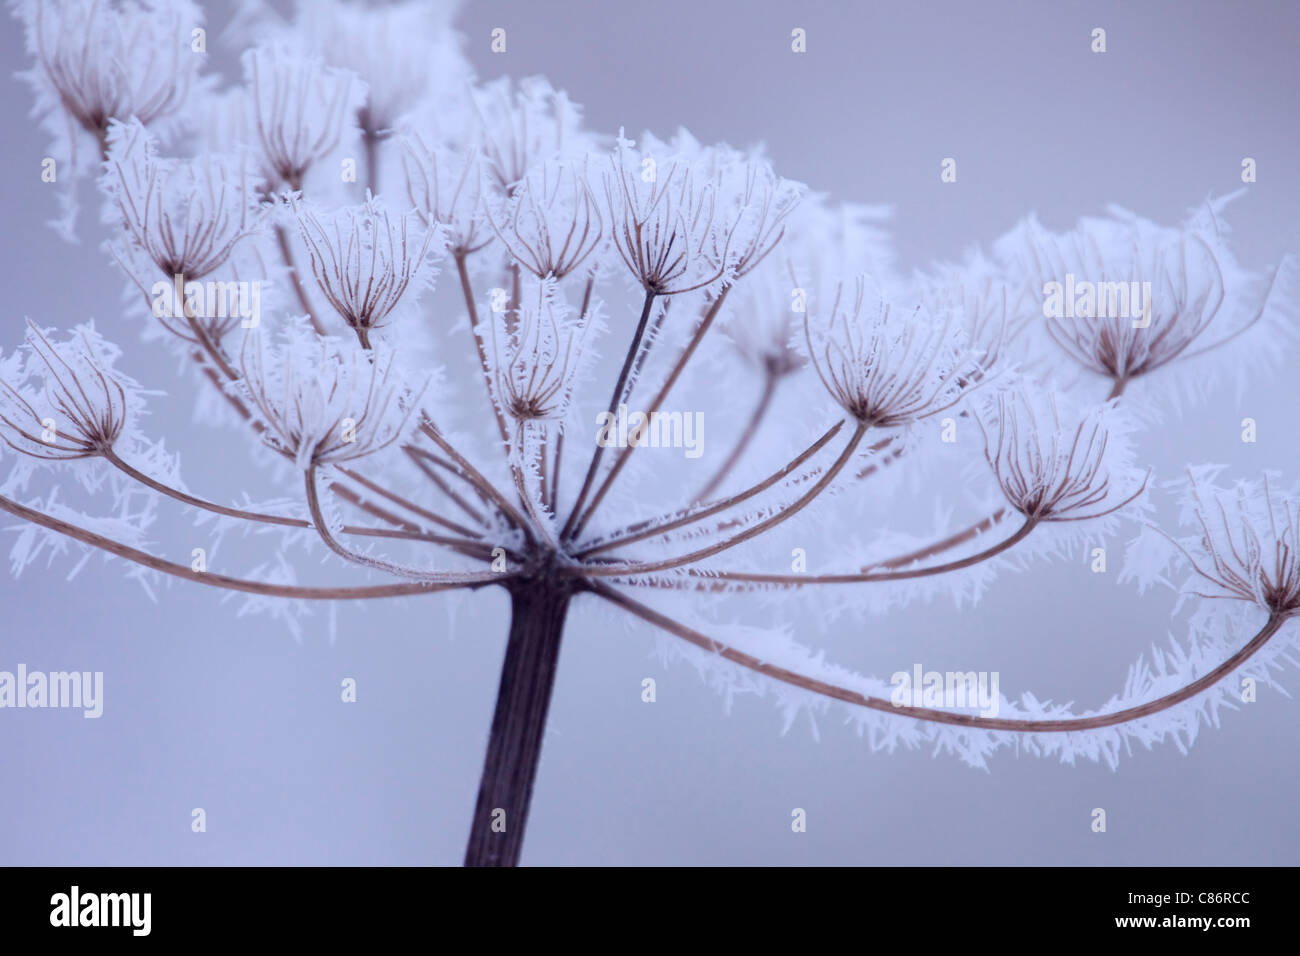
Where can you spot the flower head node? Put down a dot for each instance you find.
(523, 127)
(184, 216)
(552, 222)
(85, 403)
(300, 108)
(1249, 544)
(761, 321)
(443, 185)
(1049, 472)
(1124, 298)
(536, 367)
(888, 371)
(107, 61)
(363, 261)
(759, 202)
(323, 404)
(664, 222)
(401, 51)
(979, 304)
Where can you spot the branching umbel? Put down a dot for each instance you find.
(456, 450)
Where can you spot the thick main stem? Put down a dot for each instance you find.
(537, 612)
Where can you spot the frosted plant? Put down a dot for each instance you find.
(520, 128)
(535, 369)
(885, 369)
(444, 186)
(762, 326)
(300, 109)
(1187, 274)
(456, 450)
(364, 262)
(97, 61)
(1249, 544)
(184, 217)
(1049, 472)
(88, 59)
(84, 401)
(554, 193)
(322, 404)
(665, 223)
(401, 52)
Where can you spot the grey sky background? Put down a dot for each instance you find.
(206, 709)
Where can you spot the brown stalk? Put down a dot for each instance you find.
(656, 526)
(423, 459)
(263, 588)
(834, 691)
(617, 396)
(407, 504)
(322, 529)
(475, 478)
(286, 253)
(756, 417)
(753, 531)
(862, 577)
(634, 440)
(468, 291)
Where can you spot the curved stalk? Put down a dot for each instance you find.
(286, 253)
(263, 588)
(322, 529)
(475, 478)
(836, 692)
(656, 526)
(634, 439)
(947, 544)
(185, 498)
(467, 290)
(615, 398)
(864, 577)
(784, 515)
(746, 436)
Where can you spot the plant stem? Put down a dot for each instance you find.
(635, 438)
(746, 436)
(286, 253)
(1062, 725)
(537, 613)
(467, 290)
(620, 392)
(211, 579)
(370, 141)
(656, 526)
(785, 514)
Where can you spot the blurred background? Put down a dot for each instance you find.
(238, 716)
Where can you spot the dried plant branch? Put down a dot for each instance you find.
(1074, 725)
(262, 588)
(647, 567)
(617, 397)
(765, 396)
(656, 526)
(865, 577)
(634, 439)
